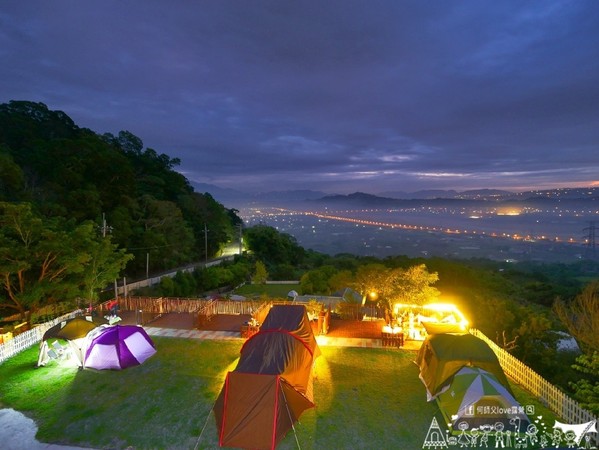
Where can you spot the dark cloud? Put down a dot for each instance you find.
(337, 95)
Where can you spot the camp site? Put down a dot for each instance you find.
(292, 382)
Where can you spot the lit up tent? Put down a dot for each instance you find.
(117, 347)
(272, 383)
(73, 331)
(441, 328)
(441, 356)
(476, 397)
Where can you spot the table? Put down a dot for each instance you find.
(247, 331)
(392, 337)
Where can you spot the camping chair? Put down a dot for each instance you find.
(61, 350)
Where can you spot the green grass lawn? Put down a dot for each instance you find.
(270, 290)
(365, 398)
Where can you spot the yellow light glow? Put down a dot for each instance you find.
(509, 212)
(323, 380)
(230, 368)
(437, 307)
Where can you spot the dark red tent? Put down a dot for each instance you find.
(272, 383)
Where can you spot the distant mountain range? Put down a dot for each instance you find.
(234, 198)
(439, 193)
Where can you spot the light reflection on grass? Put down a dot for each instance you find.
(365, 398)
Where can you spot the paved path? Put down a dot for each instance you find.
(232, 335)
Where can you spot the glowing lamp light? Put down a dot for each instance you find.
(448, 308)
(452, 315)
(392, 330)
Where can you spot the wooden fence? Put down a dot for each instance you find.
(165, 305)
(152, 308)
(261, 312)
(159, 305)
(562, 405)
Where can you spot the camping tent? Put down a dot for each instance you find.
(442, 355)
(440, 328)
(117, 347)
(75, 328)
(476, 397)
(272, 383)
(72, 330)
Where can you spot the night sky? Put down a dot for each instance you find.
(338, 96)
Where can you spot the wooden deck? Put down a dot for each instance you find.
(228, 322)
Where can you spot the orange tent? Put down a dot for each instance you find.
(272, 383)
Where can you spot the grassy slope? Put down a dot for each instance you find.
(271, 290)
(366, 398)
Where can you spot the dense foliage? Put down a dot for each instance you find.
(203, 280)
(581, 317)
(46, 260)
(65, 171)
(282, 256)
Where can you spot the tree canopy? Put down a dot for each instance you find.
(272, 247)
(69, 172)
(44, 261)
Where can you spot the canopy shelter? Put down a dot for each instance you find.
(72, 330)
(441, 328)
(477, 398)
(441, 356)
(117, 347)
(272, 384)
(75, 328)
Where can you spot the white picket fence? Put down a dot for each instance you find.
(31, 337)
(557, 401)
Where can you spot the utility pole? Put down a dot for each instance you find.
(103, 225)
(105, 228)
(206, 243)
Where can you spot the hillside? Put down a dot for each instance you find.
(74, 173)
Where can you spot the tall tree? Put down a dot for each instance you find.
(413, 286)
(260, 273)
(273, 247)
(12, 179)
(43, 261)
(373, 282)
(316, 281)
(581, 317)
(165, 233)
(105, 261)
